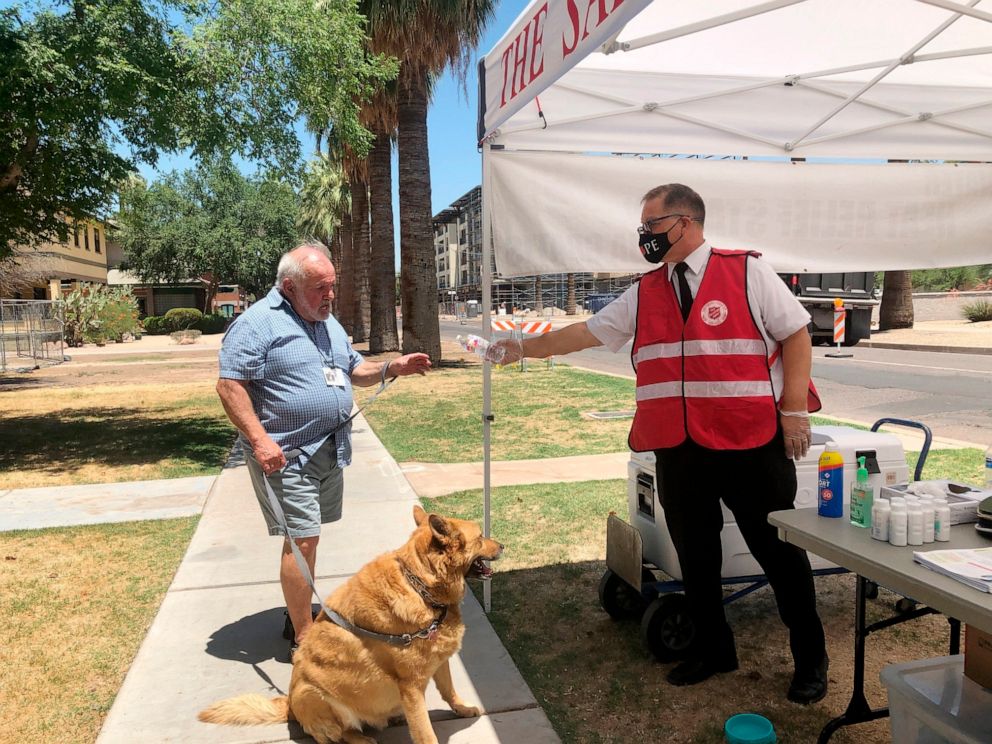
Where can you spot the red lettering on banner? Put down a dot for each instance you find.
(520, 61)
(527, 55)
(538, 43)
(573, 16)
(568, 46)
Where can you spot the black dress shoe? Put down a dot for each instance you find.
(809, 685)
(288, 631)
(694, 671)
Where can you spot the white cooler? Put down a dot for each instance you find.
(886, 463)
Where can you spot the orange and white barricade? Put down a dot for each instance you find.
(840, 316)
(499, 325)
(535, 328)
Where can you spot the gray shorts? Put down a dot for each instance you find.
(309, 496)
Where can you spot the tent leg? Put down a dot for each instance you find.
(487, 418)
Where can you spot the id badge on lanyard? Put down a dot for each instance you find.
(334, 377)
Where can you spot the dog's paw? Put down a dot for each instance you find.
(466, 711)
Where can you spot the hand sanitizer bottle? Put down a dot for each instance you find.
(862, 497)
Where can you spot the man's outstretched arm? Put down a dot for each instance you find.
(575, 337)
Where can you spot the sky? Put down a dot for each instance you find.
(456, 165)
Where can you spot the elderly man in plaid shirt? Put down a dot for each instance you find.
(286, 375)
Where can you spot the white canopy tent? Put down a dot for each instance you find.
(830, 135)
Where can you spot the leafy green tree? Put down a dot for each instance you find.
(89, 89)
(211, 222)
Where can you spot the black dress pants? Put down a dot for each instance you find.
(692, 481)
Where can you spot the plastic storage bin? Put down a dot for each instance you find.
(931, 702)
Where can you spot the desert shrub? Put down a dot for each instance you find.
(181, 318)
(96, 314)
(212, 323)
(977, 311)
(155, 325)
(187, 336)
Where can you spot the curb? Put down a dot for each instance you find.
(923, 347)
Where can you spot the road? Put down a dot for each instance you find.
(951, 393)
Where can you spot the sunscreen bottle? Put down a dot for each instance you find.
(862, 497)
(830, 483)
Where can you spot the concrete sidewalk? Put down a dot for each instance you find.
(218, 631)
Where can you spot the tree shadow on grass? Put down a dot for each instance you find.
(65, 441)
(9, 383)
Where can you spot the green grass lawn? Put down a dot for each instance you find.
(538, 414)
(76, 603)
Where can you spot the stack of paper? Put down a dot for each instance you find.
(972, 567)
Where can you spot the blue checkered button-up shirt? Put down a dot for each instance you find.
(282, 357)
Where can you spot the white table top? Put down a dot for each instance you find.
(839, 541)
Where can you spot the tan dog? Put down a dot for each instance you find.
(343, 680)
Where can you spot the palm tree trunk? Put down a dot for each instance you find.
(538, 292)
(570, 297)
(360, 227)
(382, 277)
(896, 310)
(419, 275)
(346, 277)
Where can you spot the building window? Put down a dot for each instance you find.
(86, 237)
(96, 240)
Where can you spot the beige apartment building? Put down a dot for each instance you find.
(53, 269)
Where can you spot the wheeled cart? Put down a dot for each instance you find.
(640, 550)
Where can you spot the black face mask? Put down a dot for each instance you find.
(655, 246)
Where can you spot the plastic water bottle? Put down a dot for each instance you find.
(988, 469)
(482, 348)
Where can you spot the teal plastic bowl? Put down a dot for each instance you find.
(749, 728)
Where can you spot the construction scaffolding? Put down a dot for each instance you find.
(30, 334)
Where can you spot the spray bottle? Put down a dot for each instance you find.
(830, 484)
(862, 496)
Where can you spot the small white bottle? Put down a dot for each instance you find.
(914, 522)
(898, 523)
(942, 520)
(880, 514)
(926, 503)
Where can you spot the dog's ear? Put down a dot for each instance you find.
(440, 528)
(419, 515)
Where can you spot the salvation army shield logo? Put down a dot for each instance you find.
(713, 313)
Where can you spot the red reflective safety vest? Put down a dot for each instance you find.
(707, 378)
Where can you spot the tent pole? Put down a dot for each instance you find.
(487, 300)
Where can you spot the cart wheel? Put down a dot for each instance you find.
(905, 605)
(667, 629)
(871, 590)
(620, 600)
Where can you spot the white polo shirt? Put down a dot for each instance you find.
(781, 314)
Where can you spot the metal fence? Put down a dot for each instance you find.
(30, 333)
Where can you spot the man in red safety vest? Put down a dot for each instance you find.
(722, 356)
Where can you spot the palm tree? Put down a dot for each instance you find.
(570, 296)
(325, 214)
(382, 277)
(360, 267)
(896, 310)
(426, 37)
(324, 199)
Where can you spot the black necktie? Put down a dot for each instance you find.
(685, 294)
